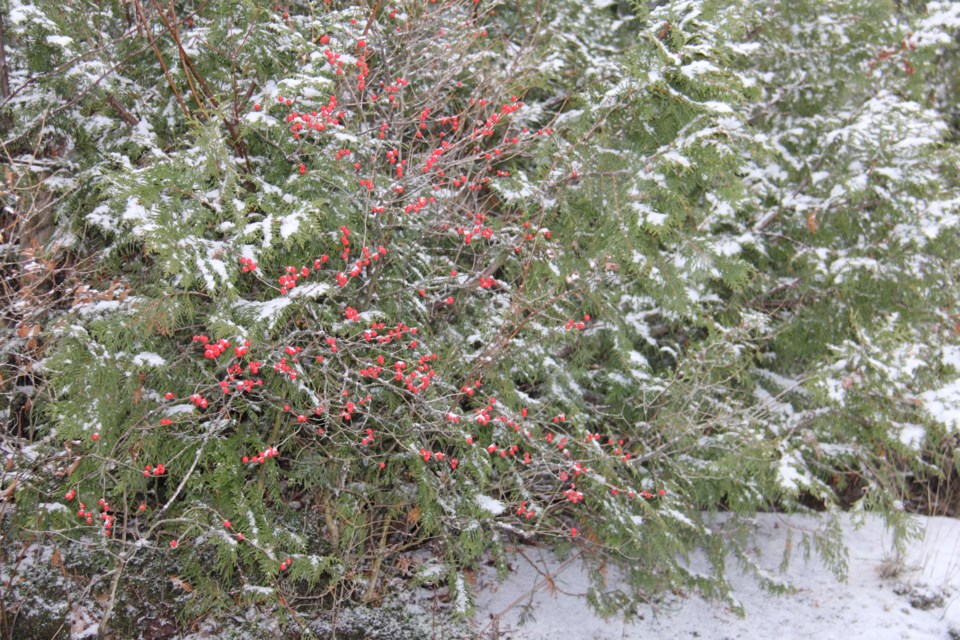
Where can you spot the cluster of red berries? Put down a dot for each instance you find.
(523, 510)
(151, 470)
(289, 280)
(212, 350)
(314, 120)
(83, 513)
(510, 452)
(572, 324)
(486, 129)
(261, 456)
(199, 401)
(439, 456)
(373, 371)
(243, 385)
(468, 389)
(419, 380)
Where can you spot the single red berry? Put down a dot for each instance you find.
(257, 107)
(173, 544)
(239, 537)
(95, 437)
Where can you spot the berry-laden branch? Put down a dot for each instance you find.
(340, 380)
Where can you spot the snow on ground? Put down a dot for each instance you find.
(883, 599)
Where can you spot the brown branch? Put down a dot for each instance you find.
(373, 16)
(163, 65)
(47, 115)
(190, 69)
(125, 115)
(4, 76)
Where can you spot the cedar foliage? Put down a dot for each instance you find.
(618, 268)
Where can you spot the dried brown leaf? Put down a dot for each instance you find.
(413, 516)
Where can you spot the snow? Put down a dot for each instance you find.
(490, 505)
(943, 404)
(290, 224)
(676, 158)
(884, 597)
(942, 17)
(104, 306)
(951, 357)
(697, 68)
(270, 310)
(791, 472)
(60, 41)
(149, 359)
(20, 14)
(263, 591)
(101, 217)
(912, 435)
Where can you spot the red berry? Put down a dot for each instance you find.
(95, 437)
(173, 544)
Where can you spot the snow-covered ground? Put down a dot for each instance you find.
(916, 597)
